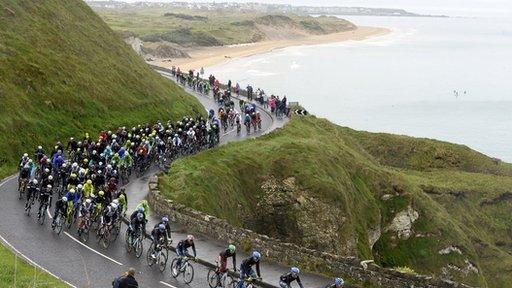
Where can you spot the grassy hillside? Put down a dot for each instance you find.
(64, 72)
(200, 27)
(353, 193)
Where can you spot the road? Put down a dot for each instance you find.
(90, 265)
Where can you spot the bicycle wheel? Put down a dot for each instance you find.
(139, 248)
(59, 225)
(188, 273)
(42, 215)
(162, 261)
(174, 268)
(150, 259)
(128, 241)
(212, 278)
(115, 232)
(105, 239)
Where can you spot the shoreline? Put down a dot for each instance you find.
(210, 56)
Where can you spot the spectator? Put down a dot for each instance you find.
(128, 279)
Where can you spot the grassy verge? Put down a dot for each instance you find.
(16, 273)
(335, 189)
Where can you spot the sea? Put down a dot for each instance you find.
(442, 78)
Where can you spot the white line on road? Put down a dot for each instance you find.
(102, 255)
(34, 263)
(167, 284)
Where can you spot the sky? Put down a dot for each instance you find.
(482, 8)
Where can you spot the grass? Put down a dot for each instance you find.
(198, 27)
(64, 72)
(333, 185)
(16, 273)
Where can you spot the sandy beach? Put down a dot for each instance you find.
(204, 57)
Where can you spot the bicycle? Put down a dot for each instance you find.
(41, 216)
(22, 187)
(185, 268)
(85, 227)
(116, 229)
(134, 242)
(216, 279)
(59, 223)
(29, 203)
(249, 282)
(104, 235)
(70, 214)
(161, 256)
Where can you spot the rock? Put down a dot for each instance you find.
(402, 223)
(386, 197)
(450, 249)
(373, 236)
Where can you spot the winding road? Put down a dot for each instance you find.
(89, 265)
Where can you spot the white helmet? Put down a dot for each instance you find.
(88, 201)
(114, 205)
(65, 199)
(74, 165)
(34, 181)
(79, 186)
(115, 201)
(50, 177)
(25, 155)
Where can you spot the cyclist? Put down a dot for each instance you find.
(24, 173)
(223, 259)
(144, 204)
(32, 193)
(24, 160)
(182, 250)
(338, 283)
(137, 221)
(246, 268)
(285, 281)
(44, 198)
(73, 199)
(88, 189)
(84, 212)
(109, 216)
(158, 235)
(61, 207)
(123, 203)
(165, 222)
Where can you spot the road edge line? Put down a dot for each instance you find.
(97, 252)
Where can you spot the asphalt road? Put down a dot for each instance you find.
(89, 265)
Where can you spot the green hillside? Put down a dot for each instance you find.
(64, 72)
(352, 193)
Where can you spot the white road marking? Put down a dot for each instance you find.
(48, 212)
(7, 179)
(34, 263)
(167, 284)
(99, 253)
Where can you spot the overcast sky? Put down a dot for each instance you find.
(450, 7)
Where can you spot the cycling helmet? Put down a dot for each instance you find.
(140, 216)
(46, 170)
(109, 166)
(100, 172)
(74, 165)
(141, 209)
(115, 201)
(25, 155)
(232, 248)
(295, 270)
(65, 199)
(39, 147)
(161, 227)
(73, 175)
(339, 281)
(190, 237)
(64, 165)
(89, 181)
(30, 161)
(49, 186)
(88, 201)
(101, 193)
(79, 186)
(50, 177)
(71, 190)
(256, 255)
(114, 205)
(34, 181)
(165, 220)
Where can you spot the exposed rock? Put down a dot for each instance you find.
(386, 197)
(165, 51)
(450, 249)
(373, 236)
(135, 43)
(402, 223)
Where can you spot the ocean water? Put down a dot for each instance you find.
(443, 78)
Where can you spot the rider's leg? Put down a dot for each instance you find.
(243, 273)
